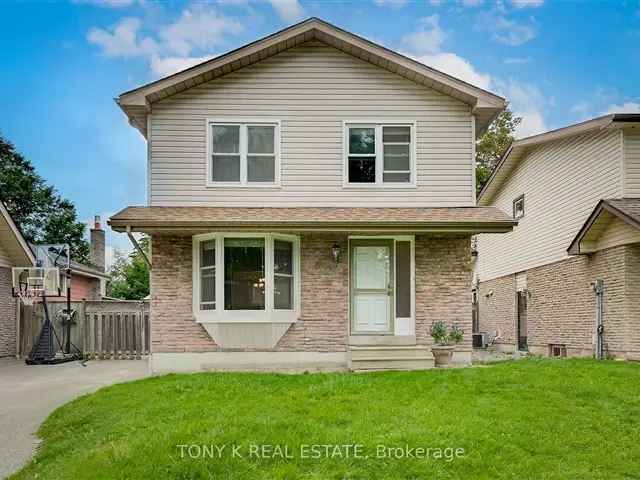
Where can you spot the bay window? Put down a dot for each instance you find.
(246, 277)
(379, 154)
(243, 153)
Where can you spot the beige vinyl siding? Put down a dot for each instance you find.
(632, 163)
(562, 182)
(312, 89)
(617, 233)
(5, 261)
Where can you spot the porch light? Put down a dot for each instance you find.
(335, 253)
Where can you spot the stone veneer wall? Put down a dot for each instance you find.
(7, 315)
(443, 285)
(561, 306)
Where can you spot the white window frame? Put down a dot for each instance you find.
(243, 123)
(378, 124)
(517, 200)
(269, 314)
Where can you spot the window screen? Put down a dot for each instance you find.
(261, 156)
(225, 150)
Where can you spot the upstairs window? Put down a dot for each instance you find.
(243, 153)
(518, 207)
(379, 154)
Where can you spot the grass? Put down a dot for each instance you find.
(531, 419)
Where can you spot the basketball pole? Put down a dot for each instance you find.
(67, 346)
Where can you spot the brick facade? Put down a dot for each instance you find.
(7, 315)
(561, 304)
(443, 283)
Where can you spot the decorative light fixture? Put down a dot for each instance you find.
(335, 253)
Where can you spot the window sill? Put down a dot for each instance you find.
(247, 316)
(375, 186)
(258, 185)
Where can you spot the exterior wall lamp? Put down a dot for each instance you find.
(336, 253)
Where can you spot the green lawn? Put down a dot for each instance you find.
(532, 419)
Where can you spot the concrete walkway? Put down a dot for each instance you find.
(28, 394)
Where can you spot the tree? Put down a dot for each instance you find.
(493, 144)
(41, 213)
(130, 274)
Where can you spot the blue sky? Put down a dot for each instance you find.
(64, 62)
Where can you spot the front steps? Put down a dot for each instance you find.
(367, 358)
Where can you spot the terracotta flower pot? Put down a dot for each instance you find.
(442, 355)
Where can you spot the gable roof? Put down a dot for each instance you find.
(626, 209)
(13, 242)
(136, 103)
(517, 149)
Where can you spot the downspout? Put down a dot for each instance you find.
(598, 287)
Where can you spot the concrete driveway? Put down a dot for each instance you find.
(28, 394)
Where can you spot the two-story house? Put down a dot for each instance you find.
(572, 264)
(311, 199)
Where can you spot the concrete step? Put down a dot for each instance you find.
(371, 352)
(381, 340)
(392, 363)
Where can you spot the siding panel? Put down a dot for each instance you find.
(632, 163)
(562, 182)
(312, 89)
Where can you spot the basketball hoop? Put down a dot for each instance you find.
(30, 283)
(27, 296)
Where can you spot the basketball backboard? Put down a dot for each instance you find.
(53, 256)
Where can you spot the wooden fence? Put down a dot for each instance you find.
(103, 330)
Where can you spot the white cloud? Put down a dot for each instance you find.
(198, 27)
(581, 108)
(526, 101)
(391, 3)
(164, 66)
(122, 40)
(455, 66)
(503, 30)
(288, 10)
(627, 107)
(107, 3)
(527, 3)
(429, 39)
(517, 60)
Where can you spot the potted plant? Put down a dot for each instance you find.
(444, 341)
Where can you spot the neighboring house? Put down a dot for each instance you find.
(89, 281)
(14, 252)
(576, 195)
(311, 202)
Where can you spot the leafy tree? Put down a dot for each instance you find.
(130, 274)
(493, 144)
(41, 213)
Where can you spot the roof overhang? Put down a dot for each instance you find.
(75, 270)
(13, 242)
(137, 103)
(599, 220)
(192, 220)
(512, 156)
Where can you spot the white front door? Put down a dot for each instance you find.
(371, 286)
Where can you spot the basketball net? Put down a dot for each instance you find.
(28, 295)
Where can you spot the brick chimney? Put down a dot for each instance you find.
(97, 245)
